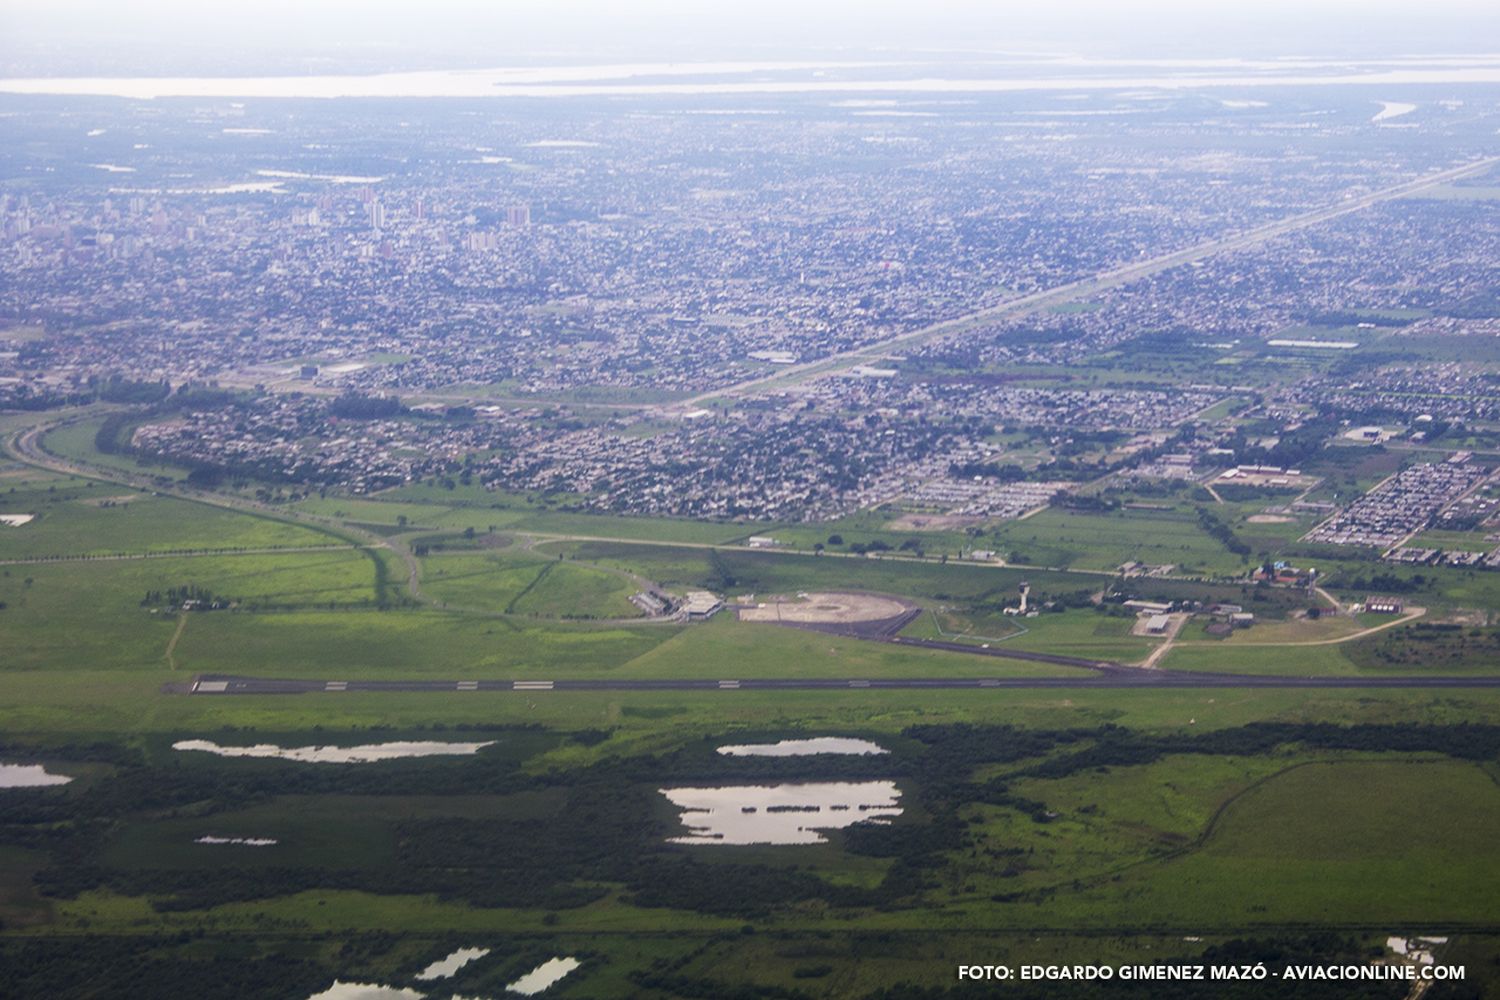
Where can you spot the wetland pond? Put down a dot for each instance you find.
(365, 991)
(792, 813)
(29, 776)
(445, 967)
(543, 976)
(366, 754)
(804, 748)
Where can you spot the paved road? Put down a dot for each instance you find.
(217, 684)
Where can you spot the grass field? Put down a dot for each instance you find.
(1407, 842)
(1084, 633)
(75, 518)
(1006, 849)
(76, 441)
(1105, 541)
(58, 616)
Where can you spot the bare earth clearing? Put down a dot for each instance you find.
(825, 608)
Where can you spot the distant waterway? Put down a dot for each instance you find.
(736, 78)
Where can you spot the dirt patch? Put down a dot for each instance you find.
(825, 608)
(1269, 519)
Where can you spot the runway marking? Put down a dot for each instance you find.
(1122, 679)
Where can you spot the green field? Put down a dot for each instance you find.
(526, 583)
(1105, 541)
(1037, 825)
(94, 519)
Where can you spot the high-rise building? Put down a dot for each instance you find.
(518, 215)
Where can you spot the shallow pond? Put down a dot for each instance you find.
(780, 814)
(543, 976)
(804, 748)
(29, 776)
(365, 754)
(365, 991)
(445, 967)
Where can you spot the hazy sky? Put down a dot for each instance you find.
(74, 37)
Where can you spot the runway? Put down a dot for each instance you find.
(218, 684)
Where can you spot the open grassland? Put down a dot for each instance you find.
(486, 510)
(526, 583)
(405, 644)
(1211, 657)
(74, 518)
(1105, 821)
(334, 831)
(75, 441)
(563, 590)
(1431, 648)
(1105, 541)
(58, 616)
(81, 700)
(1206, 843)
(251, 580)
(1079, 632)
(746, 571)
(1330, 843)
(416, 644)
(416, 515)
(1038, 825)
(479, 579)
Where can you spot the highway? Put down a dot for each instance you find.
(1124, 677)
(1110, 278)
